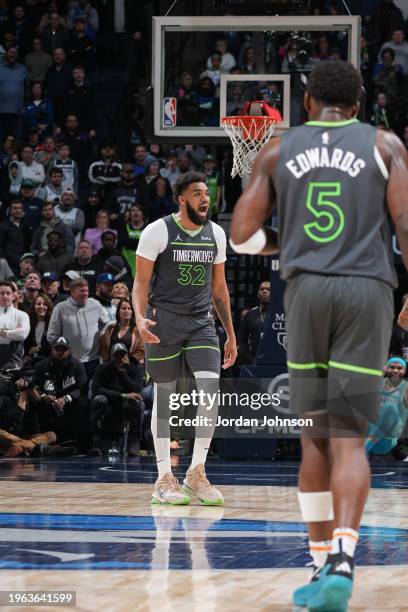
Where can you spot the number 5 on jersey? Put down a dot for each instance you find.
(329, 216)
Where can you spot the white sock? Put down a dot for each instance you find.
(162, 444)
(207, 382)
(319, 551)
(344, 540)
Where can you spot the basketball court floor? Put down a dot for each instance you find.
(87, 525)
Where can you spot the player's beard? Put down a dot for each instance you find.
(194, 217)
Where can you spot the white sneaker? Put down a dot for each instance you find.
(167, 490)
(197, 483)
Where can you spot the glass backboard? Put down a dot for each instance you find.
(197, 62)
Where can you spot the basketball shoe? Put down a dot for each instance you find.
(302, 594)
(167, 490)
(196, 483)
(335, 585)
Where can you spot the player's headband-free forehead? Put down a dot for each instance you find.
(398, 360)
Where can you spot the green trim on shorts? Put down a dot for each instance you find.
(353, 368)
(307, 366)
(164, 358)
(189, 348)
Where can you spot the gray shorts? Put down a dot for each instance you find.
(191, 338)
(338, 335)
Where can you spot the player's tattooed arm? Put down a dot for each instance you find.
(221, 300)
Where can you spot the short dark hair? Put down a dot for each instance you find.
(56, 170)
(15, 201)
(335, 82)
(185, 180)
(6, 283)
(388, 50)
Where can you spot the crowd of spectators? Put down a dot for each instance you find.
(79, 183)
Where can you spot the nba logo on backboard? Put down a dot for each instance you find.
(169, 112)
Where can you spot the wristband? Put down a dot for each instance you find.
(67, 399)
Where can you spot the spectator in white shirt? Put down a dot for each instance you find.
(14, 329)
(30, 169)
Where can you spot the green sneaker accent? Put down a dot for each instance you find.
(333, 595)
(203, 500)
(182, 502)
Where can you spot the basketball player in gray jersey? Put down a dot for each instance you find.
(330, 180)
(180, 269)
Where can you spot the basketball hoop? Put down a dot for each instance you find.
(248, 134)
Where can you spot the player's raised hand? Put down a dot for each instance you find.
(147, 336)
(230, 353)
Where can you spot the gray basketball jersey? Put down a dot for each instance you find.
(182, 273)
(330, 185)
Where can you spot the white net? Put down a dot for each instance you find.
(248, 135)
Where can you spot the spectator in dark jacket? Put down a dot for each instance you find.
(79, 47)
(81, 102)
(58, 81)
(50, 222)
(159, 200)
(56, 257)
(109, 241)
(38, 112)
(58, 384)
(37, 62)
(31, 204)
(23, 31)
(123, 196)
(106, 171)
(116, 398)
(15, 235)
(36, 345)
(251, 330)
(50, 285)
(84, 263)
(54, 35)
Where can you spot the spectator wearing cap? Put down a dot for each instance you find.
(81, 102)
(36, 345)
(56, 257)
(109, 242)
(160, 201)
(103, 294)
(80, 48)
(58, 80)
(31, 204)
(140, 154)
(31, 289)
(50, 222)
(116, 265)
(12, 84)
(116, 398)
(15, 235)
(94, 234)
(84, 264)
(151, 171)
(68, 166)
(83, 8)
(106, 171)
(80, 319)
(70, 214)
(14, 329)
(52, 190)
(26, 265)
(30, 169)
(50, 284)
(59, 381)
(123, 196)
(67, 278)
(129, 236)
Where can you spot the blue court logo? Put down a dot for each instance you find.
(171, 539)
